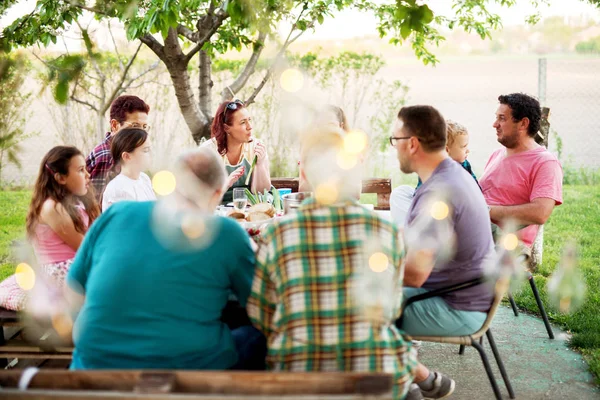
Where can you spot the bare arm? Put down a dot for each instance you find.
(54, 215)
(262, 175)
(418, 267)
(535, 213)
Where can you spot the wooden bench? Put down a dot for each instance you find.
(157, 384)
(381, 186)
(16, 342)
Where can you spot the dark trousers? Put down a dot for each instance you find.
(250, 343)
(251, 346)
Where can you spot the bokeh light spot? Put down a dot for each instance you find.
(291, 80)
(326, 193)
(164, 183)
(510, 241)
(378, 262)
(62, 324)
(440, 210)
(193, 228)
(346, 161)
(355, 142)
(25, 276)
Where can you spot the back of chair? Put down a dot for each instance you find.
(500, 290)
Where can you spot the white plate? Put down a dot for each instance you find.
(257, 224)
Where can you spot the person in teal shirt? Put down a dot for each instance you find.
(155, 277)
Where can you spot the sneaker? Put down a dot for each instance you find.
(442, 387)
(417, 344)
(414, 393)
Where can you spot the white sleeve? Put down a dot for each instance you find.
(210, 144)
(149, 189)
(113, 194)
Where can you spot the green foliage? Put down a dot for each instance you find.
(591, 46)
(61, 71)
(573, 175)
(390, 99)
(236, 24)
(401, 20)
(41, 26)
(13, 108)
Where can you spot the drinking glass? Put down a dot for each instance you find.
(239, 199)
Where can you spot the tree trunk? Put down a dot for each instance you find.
(205, 85)
(194, 118)
(177, 63)
(100, 126)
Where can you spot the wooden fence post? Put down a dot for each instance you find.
(537, 249)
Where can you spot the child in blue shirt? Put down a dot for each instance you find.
(457, 147)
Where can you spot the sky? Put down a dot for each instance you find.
(353, 23)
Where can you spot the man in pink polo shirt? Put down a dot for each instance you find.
(523, 180)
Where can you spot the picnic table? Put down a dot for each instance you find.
(217, 385)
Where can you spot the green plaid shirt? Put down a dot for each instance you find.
(302, 297)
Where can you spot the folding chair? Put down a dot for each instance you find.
(472, 340)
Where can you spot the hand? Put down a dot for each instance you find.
(235, 176)
(260, 150)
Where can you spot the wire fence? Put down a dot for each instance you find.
(466, 90)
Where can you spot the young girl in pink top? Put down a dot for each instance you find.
(62, 207)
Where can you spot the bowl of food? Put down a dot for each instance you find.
(292, 201)
(255, 217)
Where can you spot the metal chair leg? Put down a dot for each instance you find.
(513, 304)
(461, 349)
(541, 306)
(511, 393)
(488, 369)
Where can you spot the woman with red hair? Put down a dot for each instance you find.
(231, 138)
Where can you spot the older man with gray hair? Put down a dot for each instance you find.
(155, 276)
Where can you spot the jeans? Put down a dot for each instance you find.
(251, 346)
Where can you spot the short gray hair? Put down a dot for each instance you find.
(206, 166)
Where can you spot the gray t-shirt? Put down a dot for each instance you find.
(471, 224)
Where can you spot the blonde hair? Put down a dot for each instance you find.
(454, 129)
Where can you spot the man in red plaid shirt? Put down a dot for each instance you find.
(125, 112)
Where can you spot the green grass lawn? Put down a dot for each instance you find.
(579, 219)
(13, 210)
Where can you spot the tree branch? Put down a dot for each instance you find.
(121, 80)
(148, 70)
(288, 41)
(85, 103)
(155, 46)
(248, 70)
(116, 47)
(216, 21)
(154, 82)
(188, 33)
(91, 53)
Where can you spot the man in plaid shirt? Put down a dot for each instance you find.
(125, 111)
(304, 298)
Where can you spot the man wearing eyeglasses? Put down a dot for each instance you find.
(125, 112)
(419, 137)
